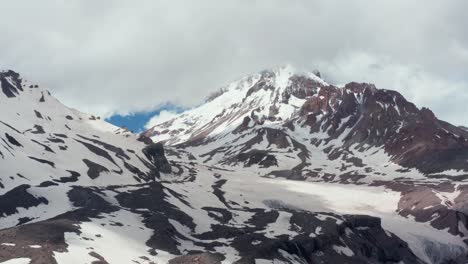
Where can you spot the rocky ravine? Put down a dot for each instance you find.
(75, 189)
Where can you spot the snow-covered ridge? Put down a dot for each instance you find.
(281, 75)
(258, 92)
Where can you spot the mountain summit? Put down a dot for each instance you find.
(264, 96)
(299, 104)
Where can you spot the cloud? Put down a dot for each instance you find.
(122, 57)
(163, 116)
(444, 96)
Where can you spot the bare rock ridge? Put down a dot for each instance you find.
(155, 153)
(376, 180)
(10, 83)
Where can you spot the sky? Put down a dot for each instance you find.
(138, 122)
(132, 58)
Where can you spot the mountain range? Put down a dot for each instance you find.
(277, 167)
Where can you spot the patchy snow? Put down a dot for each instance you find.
(35, 246)
(343, 250)
(17, 261)
(375, 201)
(281, 226)
(451, 172)
(104, 238)
(448, 197)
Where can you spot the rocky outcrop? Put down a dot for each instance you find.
(260, 157)
(155, 153)
(203, 258)
(18, 197)
(383, 118)
(10, 83)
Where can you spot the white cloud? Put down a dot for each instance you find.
(162, 117)
(120, 57)
(444, 96)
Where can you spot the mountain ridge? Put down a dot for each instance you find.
(73, 187)
(317, 99)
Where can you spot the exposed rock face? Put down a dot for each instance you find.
(204, 258)
(413, 138)
(155, 153)
(89, 199)
(260, 157)
(10, 83)
(145, 139)
(49, 234)
(18, 197)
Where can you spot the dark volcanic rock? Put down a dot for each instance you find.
(118, 151)
(204, 258)
(47, 184)
(414, 138)
(49, 233)
(260, 157)
(100, 259)
(145, 139)
(89, 199)
(46, 148)
(96, 150)
(19, 197)
(38, 114)
(11, 127)
(72, 178)
(12, 140)
(38, 130)
(11, 83)
(155, 153)
(94, 169)
(50, 163)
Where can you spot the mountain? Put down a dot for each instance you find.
(357, 116)
(284, 123)
(279, 167)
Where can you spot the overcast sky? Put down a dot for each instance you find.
(108, 57)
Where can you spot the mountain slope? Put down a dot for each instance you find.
(75, 188)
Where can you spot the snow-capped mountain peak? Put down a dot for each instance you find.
(299, 103)
(265, 96)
